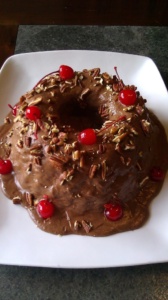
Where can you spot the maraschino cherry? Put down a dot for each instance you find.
(45, 208)
(14, 109)
(113, 212)
(66, 72)
(127, 96)
(87, 136)
(157, 174)
(33, 113)
(5, 166)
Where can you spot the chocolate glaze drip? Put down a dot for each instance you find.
(48, 159)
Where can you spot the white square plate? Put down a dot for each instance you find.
(21, 242)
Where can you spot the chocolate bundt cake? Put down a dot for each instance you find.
(83, 154)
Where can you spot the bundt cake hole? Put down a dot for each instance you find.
(79, 117)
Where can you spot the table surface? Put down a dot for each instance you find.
(136, 282)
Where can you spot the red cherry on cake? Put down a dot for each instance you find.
(14, 109)
(127, 97)
(66, 72)
(157, 174)
(5, 166)
(45, 208)
(113, 212)
(33, 113)
(87, 136)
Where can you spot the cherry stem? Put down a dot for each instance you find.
(122, 118)
(10, 106)
(44, 78)
(119, 79)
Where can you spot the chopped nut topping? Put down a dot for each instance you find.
(139, 110)
(38, 161)
(30, 199)
(101, 149)
(119, 138)
(84, 93)
(138, 166)
(66, 176)
(92, 171)
(132, 130)
(141, 154)
(28, 140)
(7, 120)
(68, 149)
(77, 225)
(129, 146)
(17, 200)
(82, 161)
(20, 144)
(76, 155)
(145, 126)
(95, 72)
(29, 169)
(118, 148)
(104, 169)
(86, 226)
(35, 101)
(143, 181)
(36, 152)
(128, 108)
(16, 119)
(59, 159)
(122, 160)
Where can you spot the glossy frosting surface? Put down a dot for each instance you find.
(48, 158)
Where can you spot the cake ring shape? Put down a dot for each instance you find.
(87, 155)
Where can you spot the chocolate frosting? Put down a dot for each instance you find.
(79, 179)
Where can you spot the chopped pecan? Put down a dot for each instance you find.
(122, 160)
(30, 199)
(128, 108)
(106, 77)
(20, 144)
(62, 177)
(38, 160)
(63, 87)
(68, 149)
(104, 169)
(40, 124)
(59, 159)
(84, 93)
(92, 171)
(76, 155)
(139, 109)
(69, 174)
(119, 138)
(35, 101)
(86, 226)
(129, 146)
(77, 225)
(101, 149)
(118, 148)
(133, 130)
(29, 169)
(27, 141)
(17, 200)
(82, 161)
(138, 166)
(95, 72)
(36, 150)
(7, 120)
(145, 126)
(144, 181)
